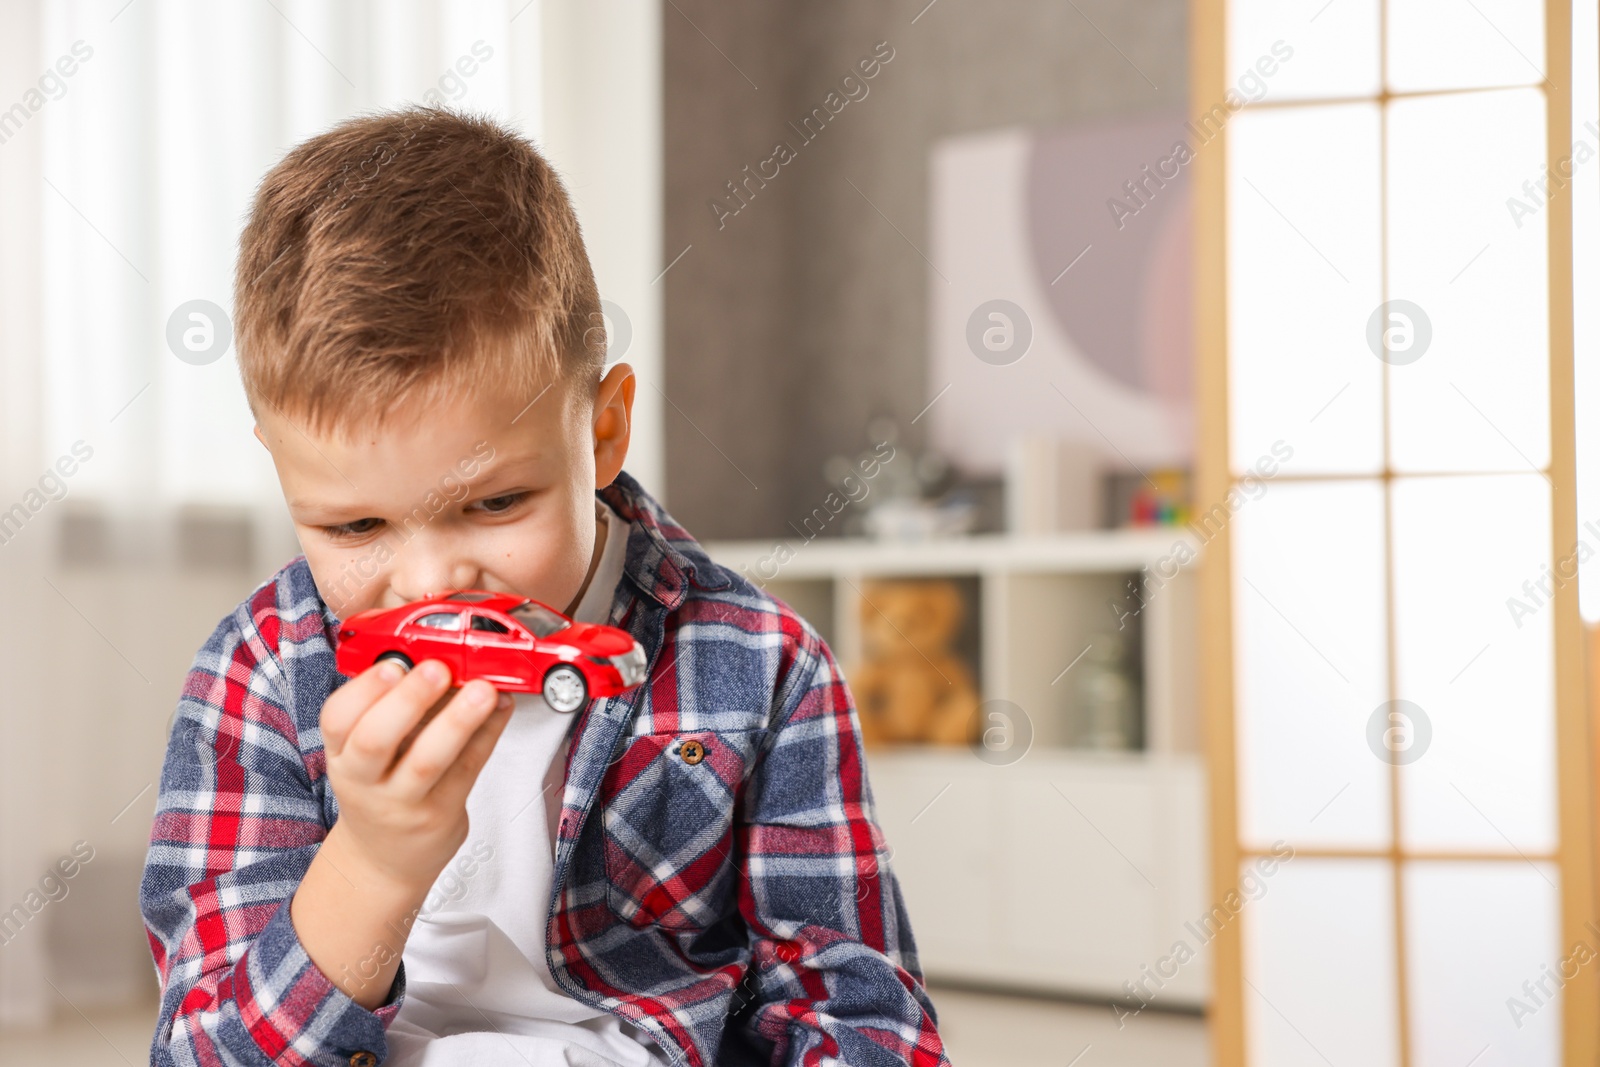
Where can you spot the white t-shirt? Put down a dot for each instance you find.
(478, 988)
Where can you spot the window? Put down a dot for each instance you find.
(488, 625)
(441, 620)
(540, 620)
(1396, 323)
(140, 223)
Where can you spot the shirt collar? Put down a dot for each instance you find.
(663, 559)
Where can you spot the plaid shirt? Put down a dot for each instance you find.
(740, 908)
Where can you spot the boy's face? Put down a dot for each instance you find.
(481, 492)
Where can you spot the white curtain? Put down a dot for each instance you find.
(126, 169)
(150, 158)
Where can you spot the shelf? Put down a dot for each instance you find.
(1036, 603)
(1111, 845)
(1093, 550)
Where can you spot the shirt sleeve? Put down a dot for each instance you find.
(835, 971)
(238, 820)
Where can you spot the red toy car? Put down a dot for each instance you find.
(514, 642)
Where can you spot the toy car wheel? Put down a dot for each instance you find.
(399, 657)
(565, 689)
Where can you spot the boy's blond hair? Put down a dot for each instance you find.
(406, 255)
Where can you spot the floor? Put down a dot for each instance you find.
(989, 1030)
(981, 1029)
(103, 1038)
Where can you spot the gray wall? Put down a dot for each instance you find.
(804, 316)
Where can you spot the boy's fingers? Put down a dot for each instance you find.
(369, 749)
(422, 724)
(345, 706)
(442, 740)
(454, 785)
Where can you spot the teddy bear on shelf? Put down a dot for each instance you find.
(911, 685)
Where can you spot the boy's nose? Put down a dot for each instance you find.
(425, 575)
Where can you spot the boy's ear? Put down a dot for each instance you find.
(613, 423)
(257, 431)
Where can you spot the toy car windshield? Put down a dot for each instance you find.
(540, 620)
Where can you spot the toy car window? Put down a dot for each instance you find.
(483, 622)
(441, 620)
(539, 619)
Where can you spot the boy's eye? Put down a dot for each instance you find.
(496, 505)
(353, 529)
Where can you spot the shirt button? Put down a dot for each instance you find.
(692, 752)
(363, 1059)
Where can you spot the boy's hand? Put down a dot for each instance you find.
(402, 756)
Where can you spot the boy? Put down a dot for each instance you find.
(387, 870)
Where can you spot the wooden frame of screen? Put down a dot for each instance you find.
(1575, 742)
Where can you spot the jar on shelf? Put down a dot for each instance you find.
(1105, 714)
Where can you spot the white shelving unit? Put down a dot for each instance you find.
(1067, 871)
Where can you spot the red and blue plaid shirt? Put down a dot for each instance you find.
(740, 908)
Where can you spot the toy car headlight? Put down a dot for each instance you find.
(630, 665)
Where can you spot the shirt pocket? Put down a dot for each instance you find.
(668, 823)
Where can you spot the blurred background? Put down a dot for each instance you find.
(1170, 412)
